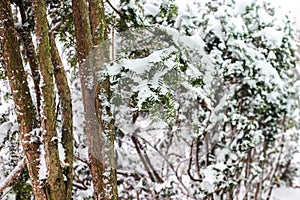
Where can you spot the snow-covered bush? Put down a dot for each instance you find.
(204, 97)
(212, 113)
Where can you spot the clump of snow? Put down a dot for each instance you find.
(269, 73)
(272, 37)
(42, 167)
(151, 10)
(4, 129)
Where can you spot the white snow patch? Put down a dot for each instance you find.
(43, 166)
(285, 193)
(269, 72)
(271, 36)
(151, 10)
(4, 129)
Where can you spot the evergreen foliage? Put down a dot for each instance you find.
(205, 100)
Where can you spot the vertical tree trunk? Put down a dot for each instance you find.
(62, 86)
(104, 176)
(27, 42)
(83, 48)
(97, 21)
(66, 107)
(55, 176)
(99, 35)
(12, 61)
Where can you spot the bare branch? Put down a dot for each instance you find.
(84, 160)
(171, 166)
(190, 162)
(60, 23)
(137, 147)
(15, 172)
(114, 9)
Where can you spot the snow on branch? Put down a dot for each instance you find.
(15, 172)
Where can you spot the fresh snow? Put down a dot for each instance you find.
(271, 36)
(285, 193)
(43, 166)
(151, 10)
(4, 129)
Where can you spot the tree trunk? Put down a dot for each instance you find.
(66, 110)
(99, 35)
(12, 61)
(55, 179)
(97, 21)
(99, 135)
(24, 34)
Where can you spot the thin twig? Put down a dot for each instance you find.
(114, 9)
(60, 23)
(79, 183)
(190, 164)
(171, 166)
(137, 147)
(87, 162)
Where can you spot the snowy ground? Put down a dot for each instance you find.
(284, 193)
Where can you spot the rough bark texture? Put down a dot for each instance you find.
(100, 162)
(27, 42)
(102, 93)
(103, 89)
(97, 21)
(26, 39)
(12, 61)
(84, 43)
(66, 111)
(55, 181)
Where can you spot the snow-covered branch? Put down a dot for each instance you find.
(15, 172)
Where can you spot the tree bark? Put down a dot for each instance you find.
(12, 61)
(89, 32)
(97, 21)
(24, 33)
(55, 179)
(99, 35)
(66, 111)
(102, 94)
